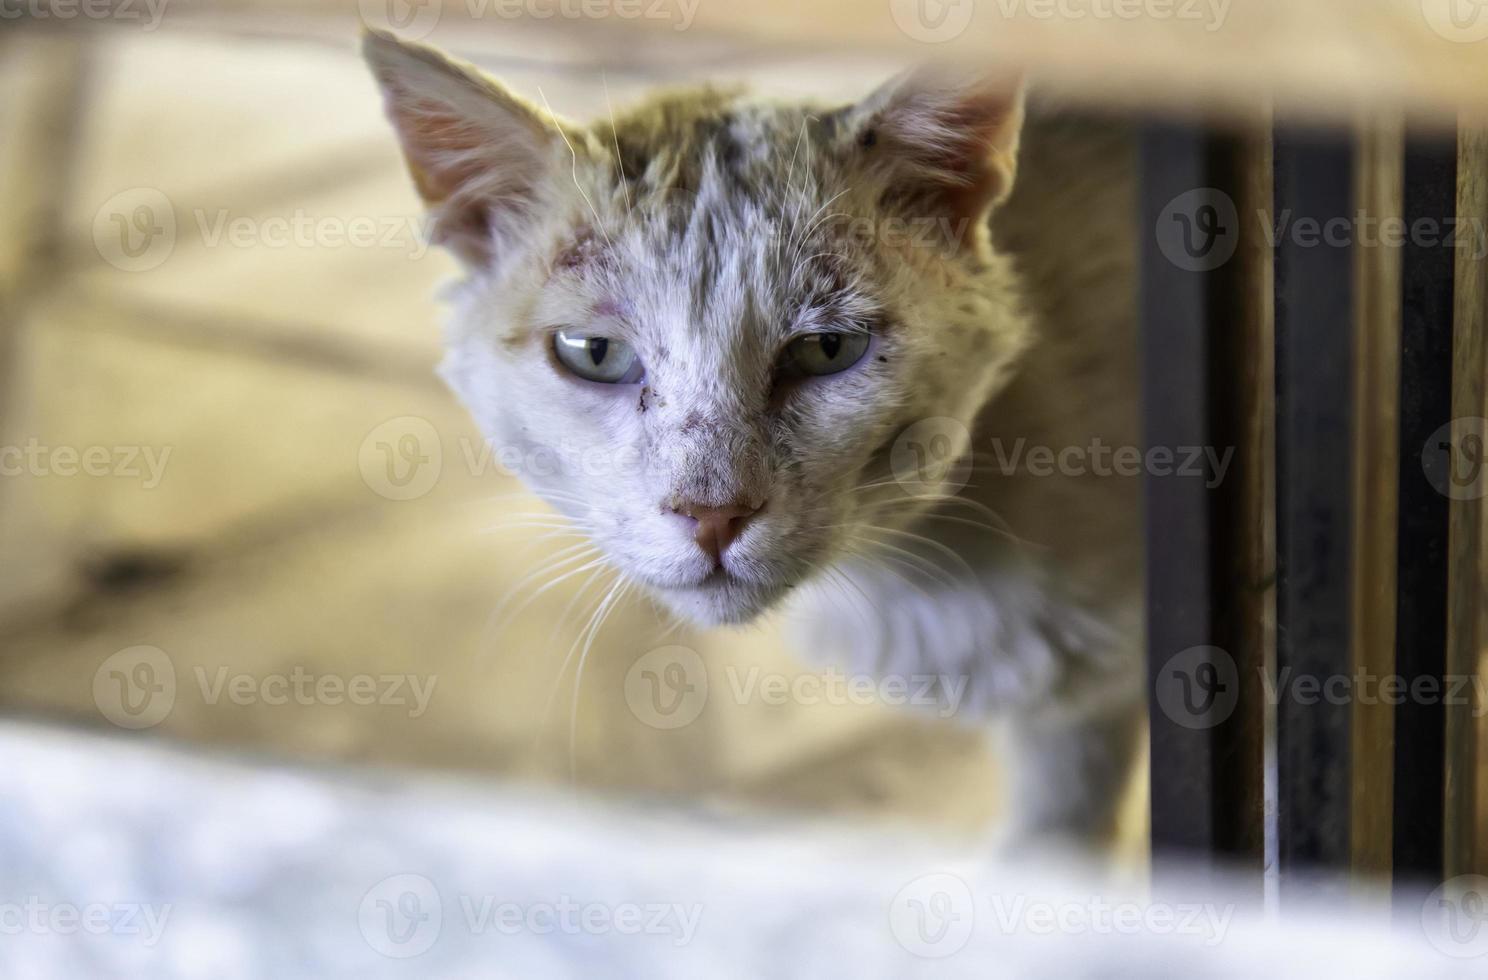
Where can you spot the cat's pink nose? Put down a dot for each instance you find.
(717, 527)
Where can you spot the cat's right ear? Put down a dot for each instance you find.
(479, 155)
(945, 140)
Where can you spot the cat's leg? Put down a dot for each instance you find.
(1067, 775)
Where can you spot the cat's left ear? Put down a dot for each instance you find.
(943, 138)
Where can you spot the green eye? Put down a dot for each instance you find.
(602, 359)
(825, 353)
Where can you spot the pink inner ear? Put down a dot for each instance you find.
(439, 144)
(952, 147)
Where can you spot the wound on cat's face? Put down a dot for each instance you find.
(710, 316)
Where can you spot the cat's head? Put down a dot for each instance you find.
(698, 327)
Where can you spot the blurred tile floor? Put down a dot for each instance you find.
(284, 371)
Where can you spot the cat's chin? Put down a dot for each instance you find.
(720, 600)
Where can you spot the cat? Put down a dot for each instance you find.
(796, 355)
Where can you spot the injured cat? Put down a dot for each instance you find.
(874, 361)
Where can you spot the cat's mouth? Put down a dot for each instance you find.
(720, 577)
(719, 598)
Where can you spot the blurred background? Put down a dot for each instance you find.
(232, 474)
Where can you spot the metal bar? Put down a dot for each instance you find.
(1428, 265)
(1202, 585)
(1314, 373)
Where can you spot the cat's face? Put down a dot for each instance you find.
(698, 329)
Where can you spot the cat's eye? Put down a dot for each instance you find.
(825, 353)
(593, 358)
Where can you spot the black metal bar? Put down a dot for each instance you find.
(1206, 741)
(1314, 180)
(1428, 262)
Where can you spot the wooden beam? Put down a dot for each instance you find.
(1376, 485)
(1466, 794)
